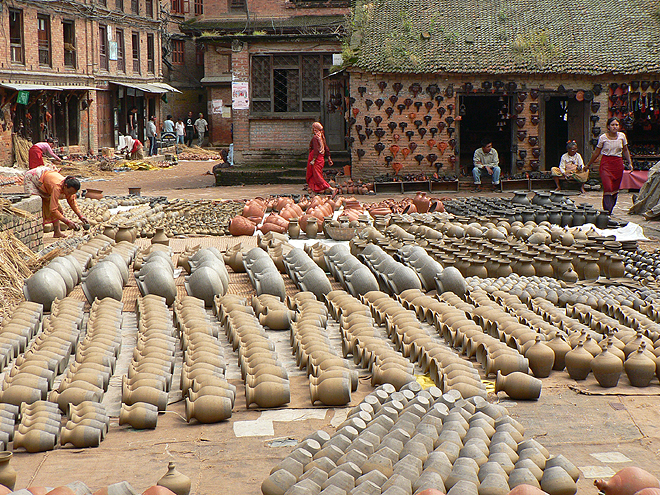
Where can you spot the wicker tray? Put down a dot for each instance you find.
(342, 233)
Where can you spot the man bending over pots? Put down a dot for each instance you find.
(52, 186)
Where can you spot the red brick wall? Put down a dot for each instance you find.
(279, 8)
(373, 164)
(220, 127)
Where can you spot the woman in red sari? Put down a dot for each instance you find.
(318, 150)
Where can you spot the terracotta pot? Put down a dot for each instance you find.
(519, 386)
(140, 416)
(81, 436)
(268, 394)
(175, 481)
(607, 369)
(627, 481)
(240, 225)
(331, 391)
(421, 202)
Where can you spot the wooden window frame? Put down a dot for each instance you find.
(151, 54)
(103, 47)
(135, 51)
(70, 40)
(119, 5)
(180, 7)
(199, 54)
(149, 8)
(237, 5)
(17, 44)
(44, 41)
(300, 84)
(121, 50)
(198, 7)
(178, 52)
(135, 7)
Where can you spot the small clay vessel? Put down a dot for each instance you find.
(81, 436)
(35, 441)
(627, 481)
(7, 473)
(560, 347)
(140, 415)
(556, 481)
(578, 362)
(607, 369)
(175, 481)
(278, 482)
(294, 228)
(518, 386)
(160, 237)
(268, 394)
(331, 391)
(541, 358)
(312, 227)
(639, 368)
(208, 409)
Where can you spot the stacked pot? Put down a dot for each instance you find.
(150, 372)
(364, 342)
(263, 274)
(32, 375)
(209, 397)
(54, 281)
(233, 257)
(346, 269)
(272, 312)
(86, 426)
(8, 416)
(39, 429)
(412, 440)
(392, 276)
(306, 274)
(108, 276)
(17, 329)
(266, 380)
(331, 380)
(88, 376)
(156, 273)
(208, 275)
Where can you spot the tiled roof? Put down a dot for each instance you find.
(310, 24)
(506, 36)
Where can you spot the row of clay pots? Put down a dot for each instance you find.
(346, 269)
(272, 312)
(87, 425)
(403, 326)
(8, 417)
(156, 273)
(149, 376)
(413, 440)
(39, 427)
(317, 253)
(263, 274)
(209, 397)
(208, 275)
(88, 376)
(54, 281)
(266, 380)
(306, 274)
(331, 380)
(233, 257)
(368, 348)
(18, 328)
(32, 375)
(392, 276)
(582, 349)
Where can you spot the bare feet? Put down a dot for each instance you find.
(59, 234)
(582, 191)
(558, 189)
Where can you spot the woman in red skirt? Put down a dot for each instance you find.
(318, 150)
(612, 147)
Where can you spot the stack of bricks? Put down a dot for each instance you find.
(30, 231)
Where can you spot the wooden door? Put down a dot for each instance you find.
(333, 112)
(105, 119)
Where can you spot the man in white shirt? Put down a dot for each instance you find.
(486, 162)
(152, 134)
(202, 126)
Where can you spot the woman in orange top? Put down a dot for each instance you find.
(52, 186)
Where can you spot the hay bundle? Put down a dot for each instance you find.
(21, 150)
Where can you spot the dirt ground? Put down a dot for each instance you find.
(600, 434)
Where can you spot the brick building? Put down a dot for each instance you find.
(73, 71)
(430, 79)
(278, 55)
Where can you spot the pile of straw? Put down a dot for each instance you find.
(21, 150)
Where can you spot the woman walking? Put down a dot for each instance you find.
(318, 150)
(613, 148)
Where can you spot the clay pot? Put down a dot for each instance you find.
(7, 473)
(421, 202)
(607, 369)
(556, 481)
(175, 481)
(578, 362)
(208, 409)
(35, 441)
(639, 368)
(560, 347)
(312, 228)
(268, 394)
(140, 415)
(331, 391)
(124, 233)
(241, 225)
(81, 436)
(44, 287)
(294, 228)
(518, 386)
(278, 482)
(541, 358)
(627, 481)
(160, 237)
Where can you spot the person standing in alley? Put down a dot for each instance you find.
(168, 125)
(152, 134)
(37, 152)
(190, 129)
(202, 126)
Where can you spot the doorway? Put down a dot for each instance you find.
(564, 120)
(484, 117)
(334, 123)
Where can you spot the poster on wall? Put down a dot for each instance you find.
(239, 95)
(112, 53)
(216, 106)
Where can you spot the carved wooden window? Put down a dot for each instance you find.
(16, 36)
(288, 83)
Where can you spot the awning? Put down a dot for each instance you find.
(157, 88)
(44, 87)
